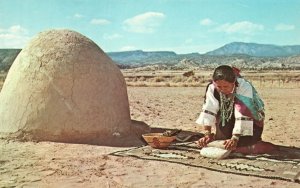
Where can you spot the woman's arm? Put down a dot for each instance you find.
(231, 144)
(209, 109)
(207, 117)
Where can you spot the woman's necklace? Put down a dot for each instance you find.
(226, 107)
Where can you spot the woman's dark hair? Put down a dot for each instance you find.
(224, 72)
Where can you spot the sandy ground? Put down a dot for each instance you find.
(47, 164)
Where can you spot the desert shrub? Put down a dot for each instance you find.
(195, 84)
(159, 79)
(142, 78)
(202, 81)
(127, 79)
(177, 79)
(135, 79)
(189, 73)
(190, 79)
(137, 84)
(196, 78)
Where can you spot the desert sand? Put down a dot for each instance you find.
(50, 164)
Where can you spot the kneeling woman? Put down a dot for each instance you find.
(236, 112)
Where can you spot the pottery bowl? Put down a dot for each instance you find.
(158, 140)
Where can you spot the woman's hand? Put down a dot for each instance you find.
(202, 142)
(230, 144)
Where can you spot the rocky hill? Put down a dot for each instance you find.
(243, 55)
(173, 61)
(258, 50)
(140, 58)
(7, 56)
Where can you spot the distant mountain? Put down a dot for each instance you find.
(243, 55)
(140, 57)
(7, 56)
(258, 50)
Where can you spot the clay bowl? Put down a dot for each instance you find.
(158, 140)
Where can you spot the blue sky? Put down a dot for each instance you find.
(182, 26)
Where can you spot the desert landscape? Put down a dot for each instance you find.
(82, 82)
(161, 99)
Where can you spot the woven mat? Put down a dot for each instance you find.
(283, 165)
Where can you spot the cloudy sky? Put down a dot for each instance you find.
(182, 26)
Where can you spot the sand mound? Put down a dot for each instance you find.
(63, 87)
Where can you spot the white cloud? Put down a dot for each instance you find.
(13, 37)
(78, 15)
(112, 36)
(243, 27)
(284, 27)
(17, 29)
(144, 23)
(99, 22)
(128, 48)
(206, 22)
